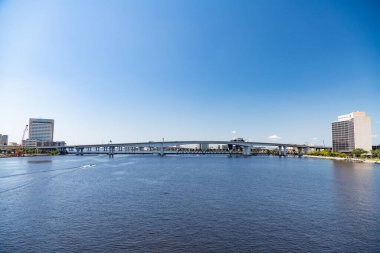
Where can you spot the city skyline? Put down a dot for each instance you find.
(141, 71)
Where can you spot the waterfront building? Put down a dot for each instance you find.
(41, 134)
(352, 131)
(3, 140)
(35, 143)
(29, 143)
(41, 129)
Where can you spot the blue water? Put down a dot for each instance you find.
(188, 204)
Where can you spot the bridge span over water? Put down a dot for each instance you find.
(182, 147)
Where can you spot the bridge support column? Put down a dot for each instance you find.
(162, 153)
(111, 151)
(247, 150)
(299, 151)
(279, 151)
(79, 151)
(285, 154)
(203, 148)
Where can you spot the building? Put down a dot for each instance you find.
(352, 131)
(29, 143)
(41, 134)
(41, 129)
(51, 144)
(36, 144)
(3, 140)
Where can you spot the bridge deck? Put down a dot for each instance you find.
(181, 143)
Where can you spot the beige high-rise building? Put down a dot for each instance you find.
(352, 131)
(41, 129)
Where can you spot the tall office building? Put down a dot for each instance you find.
(3, 140)
(352, 131)
(41, 129)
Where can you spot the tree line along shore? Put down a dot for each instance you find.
(357, 155)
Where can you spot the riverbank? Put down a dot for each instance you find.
(349, 159)
(10, 156)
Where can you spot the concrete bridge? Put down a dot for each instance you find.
(182, 147)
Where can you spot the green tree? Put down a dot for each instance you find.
(343, 155)
(375, 153)
(357, 152)
(325, 153)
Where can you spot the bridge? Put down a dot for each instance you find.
(182, 147)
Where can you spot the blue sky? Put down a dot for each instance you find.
(182, 70)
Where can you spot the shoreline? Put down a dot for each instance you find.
(357, 160)
(348, 159)
(10, 156)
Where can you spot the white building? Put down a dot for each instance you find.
(352, 131)
(41, 129)
(41, 134)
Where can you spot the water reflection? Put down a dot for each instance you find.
(355, 199)
(354, 182)
(40, 161)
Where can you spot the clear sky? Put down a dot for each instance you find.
(183, 70)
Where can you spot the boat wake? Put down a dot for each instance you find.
(61, 171)
(91, 165)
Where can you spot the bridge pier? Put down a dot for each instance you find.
(247, 150)
(111, 151)
(302, 151)
(282, 151)
(79, 151)
(203, 148)
(162, 153)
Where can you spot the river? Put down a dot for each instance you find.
(188, 204)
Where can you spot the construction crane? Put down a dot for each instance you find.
(23, 135)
